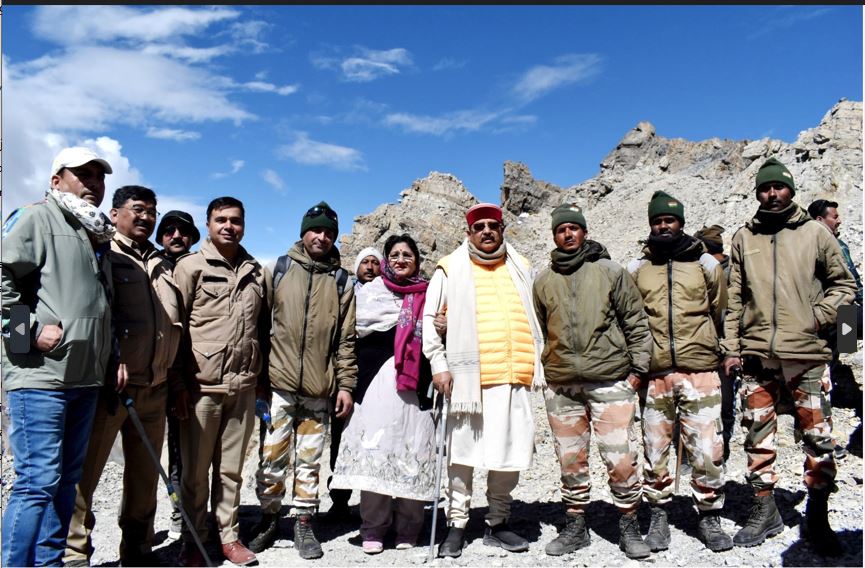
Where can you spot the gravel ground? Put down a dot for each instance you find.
(537, 513)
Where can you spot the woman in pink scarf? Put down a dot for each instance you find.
(388, 446)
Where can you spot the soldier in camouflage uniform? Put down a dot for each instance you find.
(685, 293)
(788, 278)
(597, 343)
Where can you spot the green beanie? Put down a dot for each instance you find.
(662, 203)
(569, 213)
(773, 170)
(320, 216)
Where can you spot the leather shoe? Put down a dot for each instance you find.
(501, 535)
(238, 554)
(453, 543)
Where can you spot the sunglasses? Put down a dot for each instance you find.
(492, 225)
(316, 211)
(170, 229)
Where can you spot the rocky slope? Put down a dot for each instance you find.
(713, 178)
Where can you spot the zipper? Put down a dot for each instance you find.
(303, 337)
(670, 311)
(774, 240)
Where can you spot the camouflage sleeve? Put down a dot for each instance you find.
(839, 287)
(630, 312)
(346, 357)
(730, 345)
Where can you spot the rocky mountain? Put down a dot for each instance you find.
(714, 179)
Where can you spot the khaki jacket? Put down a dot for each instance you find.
(313, 333)
(147, 310)
(227, 320)
(782, 284)
(593, 321)
(685, 299)
(50, 265)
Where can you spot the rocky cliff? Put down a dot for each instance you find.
(713, 178)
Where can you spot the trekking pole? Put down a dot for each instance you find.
(678, 453)
(440, 446)
(126, 400)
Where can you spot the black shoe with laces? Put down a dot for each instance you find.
(573, 536)
(711, 534)
(305, 542)
(658, 537)
(502, 536)
(265, 532)
(630, 540)
(763, 521)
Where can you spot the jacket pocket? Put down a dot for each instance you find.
(209, 361)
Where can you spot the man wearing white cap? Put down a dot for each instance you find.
(490, 361)
(367, 266)
(54, 263)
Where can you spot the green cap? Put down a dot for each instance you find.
(320, 216)
(662, 203)
(773, 170)
(569, 213)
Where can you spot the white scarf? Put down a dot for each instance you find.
(376, 308)
(95, 222)
(463, 354)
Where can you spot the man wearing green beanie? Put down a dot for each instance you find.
(787, 279)
(685, 294)
(597, 345)
(312, 357)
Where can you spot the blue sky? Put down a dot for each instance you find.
(282, 106)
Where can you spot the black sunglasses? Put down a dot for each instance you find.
(316, 211)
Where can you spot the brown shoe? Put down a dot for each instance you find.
(238, 554)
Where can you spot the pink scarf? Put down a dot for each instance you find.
(407, 343)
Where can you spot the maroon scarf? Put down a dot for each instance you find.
(407, 347)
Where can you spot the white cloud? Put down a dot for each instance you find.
(446, 124)
(273, 180)
(172, 134)
(449, 63)
(236, 165)
(306, 151)
(250, 34)
(92, 24)
(366, 65)
(190, 54)
(264, 87)
(783, 17)
(567, 69)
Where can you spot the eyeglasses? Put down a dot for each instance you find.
(400, 255)
(492, 225)
(140, 211)
(316, 211)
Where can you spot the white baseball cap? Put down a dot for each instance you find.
(77, 156)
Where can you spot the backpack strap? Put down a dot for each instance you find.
(341, 277)
(282, 264)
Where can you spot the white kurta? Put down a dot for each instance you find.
(502, 438)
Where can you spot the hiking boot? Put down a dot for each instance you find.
(658, 537)
(711, 534)
(502, 536)
(265, 532)
(763, 521)
(630, 541)
(840, 452)
(304, 538)
(452, 546)
(573, 536)
(815, 527)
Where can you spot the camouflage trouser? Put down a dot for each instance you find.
(697, 397)
(607, 407)
(306, 419)
(760, 393)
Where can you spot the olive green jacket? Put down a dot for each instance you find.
(684, 298)
(783, 285)
(593, 321)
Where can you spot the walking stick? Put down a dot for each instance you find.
(126, 400)
(440, 446)
(678, 455)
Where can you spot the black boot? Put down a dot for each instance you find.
(305, 542)
(502, 536)
(763, 521)
(452, 546)
(265, 532)
(816, 527)
(658, 537)
(630, 541)
(711, 534)
(573, 536)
